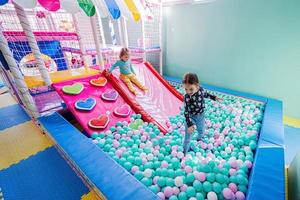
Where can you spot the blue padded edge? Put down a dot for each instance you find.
(269, 157)
(224, 90)
(107, 175)
(272, 129)
(44, 175)
(267, 180)
(12, 115)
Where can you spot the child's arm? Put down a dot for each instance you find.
(113, 66)
(132, 70)
(188, 120)
(210, 96)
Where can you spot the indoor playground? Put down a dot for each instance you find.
(73, 128)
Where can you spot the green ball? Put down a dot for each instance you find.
(217, 187)
(190, 191)
(171, 173)
(179, 172)
(199, 196)
(210, 177)
(160, 157)
(190, 178)
(169, 182)
(161, 181)
(164, 172)
(127, 166)
(95, 135)
(197, 185)
(207, 187)
(220, 178)
(138, 175)
(242, 188)
(156, 164)
(130, 159)
(182, 196)
(138, 161)
(154, 189)
(148, 165)
(173, 197)
(146, 181)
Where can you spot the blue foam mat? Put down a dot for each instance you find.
(11, 116)
(45, 176)
(267, 178)
(108, 176)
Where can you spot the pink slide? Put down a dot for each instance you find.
(100, 108)
(161, 100)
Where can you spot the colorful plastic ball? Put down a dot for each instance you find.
(161, 181)
(161, 196)
(217, 187)
(190, 191)
(176, 190)
(168, 191)
(212, 196)
(207, 187)
(170, 182)
(178, 181)
(138, 175)
(146, 181)
(197, 185)
(227, 193)
(154, 188)
(148, 173)
(182, 196)
(199, 196)
(173, 197)
(240, 195)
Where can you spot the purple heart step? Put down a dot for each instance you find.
(110, 95)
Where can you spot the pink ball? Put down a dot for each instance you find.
(174, 148)
(118, 153)
(95, 141)
(197, 175)
(228, 194)
(161, 195)
(248, 164)
(168, 191)
(188, 169)
(192, 198)
(176, 190)
(233, 164)
(155, 152)
(212, 196)
(239, 195)
(144, 160)
(143, 138)
(164, 164)
(129, 133)
(155, 178)
(202, 176)
(233, 187)
(180, 155)
(142, 145)
(183, 188)
(232, 171)
(117, 136)
(134, 169)
(116, 144)
(174, 153)
(168, 141)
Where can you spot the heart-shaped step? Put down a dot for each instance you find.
(100, 82)
(100, 122)
(123, 110)
(110, 95)
(87, 104)
(74, 89)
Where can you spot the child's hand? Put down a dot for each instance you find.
(219, 99)
(191, 129)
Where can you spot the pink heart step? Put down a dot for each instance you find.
(123, 110)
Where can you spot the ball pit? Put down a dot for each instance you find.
(217, 167)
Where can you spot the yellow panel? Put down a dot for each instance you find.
(37, 81)
(92, 196)
(19, 142)
(291, 121)
(134, 11)
(6, 100)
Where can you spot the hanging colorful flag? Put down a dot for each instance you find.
(51, 5)
(88, 7)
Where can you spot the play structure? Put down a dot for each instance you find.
(54, 58)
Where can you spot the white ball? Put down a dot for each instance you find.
(148, 173)
(178, 181)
